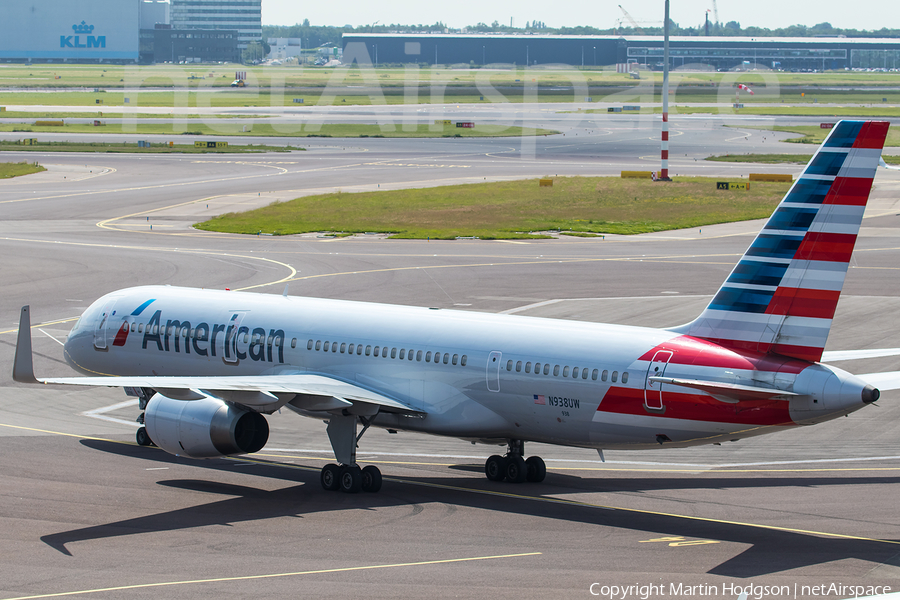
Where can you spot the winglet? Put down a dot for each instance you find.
(23, 367)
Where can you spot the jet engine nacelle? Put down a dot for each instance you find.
(205, 428)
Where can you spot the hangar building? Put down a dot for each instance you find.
(812, 53)
(63, 30)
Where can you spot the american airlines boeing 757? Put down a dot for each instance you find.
(207, 365)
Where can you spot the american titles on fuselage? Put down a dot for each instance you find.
(238, 342)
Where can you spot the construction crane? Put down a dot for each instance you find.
(631, 20)
(634, 24)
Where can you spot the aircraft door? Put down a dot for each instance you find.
(493, 371)
(653, 397)
(230, 349)
(102, 324)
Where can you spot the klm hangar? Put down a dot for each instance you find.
(67, 31)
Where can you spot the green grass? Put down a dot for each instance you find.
(113, 100)
(8, 170)
(872, 111)
(278, 86)
(508, 210)
(113, 113)
(812, 134)
(133, 148)
(773, 159)
(290, 75)
(769, 159)
(288, 130)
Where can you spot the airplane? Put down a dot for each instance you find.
(206, 365)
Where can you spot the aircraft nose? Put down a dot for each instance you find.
(870, 394)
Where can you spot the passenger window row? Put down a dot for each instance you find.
(385, 352)
(566, 371)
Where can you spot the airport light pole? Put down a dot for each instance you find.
(664, 144)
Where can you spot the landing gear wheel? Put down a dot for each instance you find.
(495, 468)
(351, 480)
(516, 469)
(371, 479)
(143, 438)
(330, 477)
(537, 470)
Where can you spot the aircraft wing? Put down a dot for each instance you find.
(256, 392)
(263, 393)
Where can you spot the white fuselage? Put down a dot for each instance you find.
(472, 374)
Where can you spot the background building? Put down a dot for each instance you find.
(282, 48)
(164, 44)
(64, 30)
(809, 53)
(153, 13)
(245, 16)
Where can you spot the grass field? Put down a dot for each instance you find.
(288, 130)
(291, 75)
(208, 85)
(266, 98)
(872, 111)
(772, 159)
(509, 210)
(114, 113)
(133, 148)
(8, 170)
(811, 134)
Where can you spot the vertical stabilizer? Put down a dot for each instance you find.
(782, 294)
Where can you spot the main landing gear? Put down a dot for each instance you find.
(142, 437)
(348, 476)
(513, 467)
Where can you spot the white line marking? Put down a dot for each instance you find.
(548, 302)
(157, 469)
(51, 337)
(530, 306)
(98, 413)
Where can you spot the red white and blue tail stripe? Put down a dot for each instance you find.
(782, 294)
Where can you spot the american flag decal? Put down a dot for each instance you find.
(539, 399)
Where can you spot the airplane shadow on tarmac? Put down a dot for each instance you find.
(770, 550)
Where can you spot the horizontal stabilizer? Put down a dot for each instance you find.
(838, 355)
(726, 392)
(883, 381)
